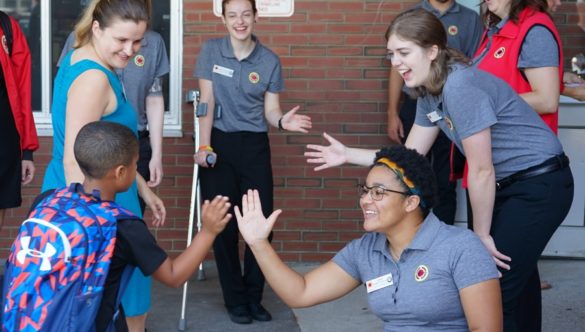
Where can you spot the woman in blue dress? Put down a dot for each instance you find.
(87, 89)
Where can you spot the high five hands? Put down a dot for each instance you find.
(253, 226)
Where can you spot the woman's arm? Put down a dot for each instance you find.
(154, 203)
(481, 181)
(482, 304)
(155, 111)
(294, 289)
(574, 86)
(205, 122)
(88, 99)
(291, 121)
(422, 138)
(395, 128)
(336, 154)
(544, 97)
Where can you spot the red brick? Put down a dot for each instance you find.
(332, 53)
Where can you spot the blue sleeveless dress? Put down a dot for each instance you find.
(124, 114)
(136, 299)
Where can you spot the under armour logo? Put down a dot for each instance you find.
(26, 251)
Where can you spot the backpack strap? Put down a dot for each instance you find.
(7, 28)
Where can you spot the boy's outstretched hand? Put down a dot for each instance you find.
(253, 226)
(214, 215)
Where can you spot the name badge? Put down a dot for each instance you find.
(379, 283)
(434, 116)
(223, 71)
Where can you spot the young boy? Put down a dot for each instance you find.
(107, 153)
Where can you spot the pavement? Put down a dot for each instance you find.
(563, 305)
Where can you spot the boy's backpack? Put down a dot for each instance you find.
(59, 262)
(7, 28)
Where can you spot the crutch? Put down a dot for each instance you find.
(195, 203)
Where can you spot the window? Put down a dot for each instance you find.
(47, 25)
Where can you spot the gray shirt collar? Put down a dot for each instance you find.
(227, 51)
(426, 5)
(422, 240)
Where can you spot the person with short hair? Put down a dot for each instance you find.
(107, 153)
(519, 181)
(419, 273)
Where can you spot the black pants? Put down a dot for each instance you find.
(243, 162)
(439, 158)
(144, 156)
(526, 215)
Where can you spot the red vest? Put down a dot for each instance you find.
(17, 74)
(501, 59)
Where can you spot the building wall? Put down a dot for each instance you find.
(333, 58)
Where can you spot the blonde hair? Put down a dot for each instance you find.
(105, 11)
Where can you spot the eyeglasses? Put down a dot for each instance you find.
(376, 192)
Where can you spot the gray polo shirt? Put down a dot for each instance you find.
(239, 87)
(463, 26)
(150, 62)
(473, 100)
(440, 261)
(539, 48)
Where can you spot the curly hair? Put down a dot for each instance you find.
(416, 168)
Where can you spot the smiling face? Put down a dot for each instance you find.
(501, 8)
(119, 42)
(412, 61)
(239, 19)
(387, 213)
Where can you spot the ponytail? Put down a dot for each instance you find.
(105, 11)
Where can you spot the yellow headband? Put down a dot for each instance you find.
(399, 171)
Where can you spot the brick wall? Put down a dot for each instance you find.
(333, 58)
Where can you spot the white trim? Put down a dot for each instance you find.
(172, 120)
(43, 118)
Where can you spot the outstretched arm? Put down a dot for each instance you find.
(336, 154)
(294, 289)
(290, 121)
(174, 272)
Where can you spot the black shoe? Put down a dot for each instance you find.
(240, 314)
(259, 313)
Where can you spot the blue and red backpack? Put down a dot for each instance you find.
(59, 262)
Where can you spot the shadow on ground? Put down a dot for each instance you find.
(205, 310)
